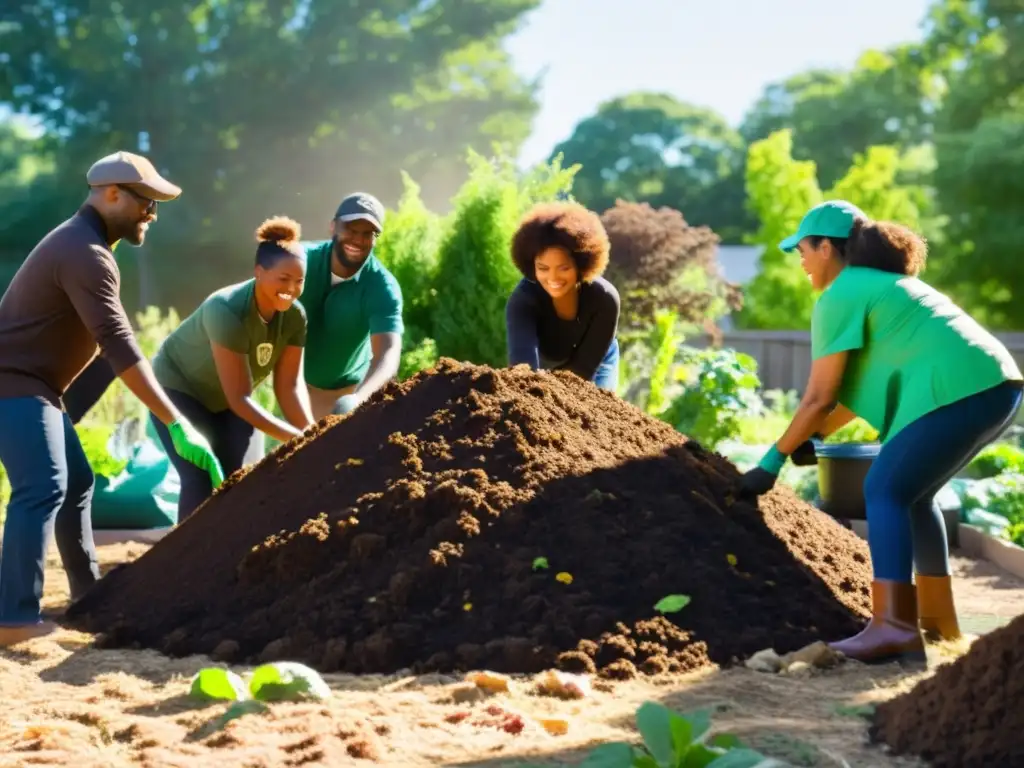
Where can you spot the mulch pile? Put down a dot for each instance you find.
(969, 713)
(414, 534)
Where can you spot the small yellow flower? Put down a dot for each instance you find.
(564, 577)
(731, 559)
(467, 606)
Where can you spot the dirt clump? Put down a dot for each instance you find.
(968, 714)
(477, 518)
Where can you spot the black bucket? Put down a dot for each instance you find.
(842, 468)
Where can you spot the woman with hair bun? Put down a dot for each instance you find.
(212, 363)
(563, 315)
(890, 349)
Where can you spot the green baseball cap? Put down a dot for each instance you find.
(830, 219)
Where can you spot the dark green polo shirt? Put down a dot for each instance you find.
(342, 315)
(227, 317)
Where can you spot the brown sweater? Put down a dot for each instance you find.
(63, 301)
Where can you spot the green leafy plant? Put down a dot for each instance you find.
(672, 740)
(287, 681)
(1006, 499)
(672, 603)
(95, 438)
(218, 684)
(1000, 497)
(995, 460)
(856, 431)
(408, 247)
(719, 388)
(278, 681)
(664, 340)
(417, 357)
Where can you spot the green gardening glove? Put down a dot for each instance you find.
(763, 477)
(194, 448)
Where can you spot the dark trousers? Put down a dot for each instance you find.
(51, 495)
(905, 525)
(235, 442)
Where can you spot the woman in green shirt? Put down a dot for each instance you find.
(212, 363)
(890, 349)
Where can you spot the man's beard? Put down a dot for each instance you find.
(343, 259)
(132, 231)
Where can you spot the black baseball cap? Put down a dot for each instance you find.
(361, 205)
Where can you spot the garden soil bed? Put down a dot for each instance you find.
(473, 518)
(969, 714)
(69, 703)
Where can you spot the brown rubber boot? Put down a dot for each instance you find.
(935, 609)
(892, 632)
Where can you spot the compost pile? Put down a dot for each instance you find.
(968, 713)
(506, 519)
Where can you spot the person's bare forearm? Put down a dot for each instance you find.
(295, 406)
(808, 419)
(143, 384)
(250, 411)
(382, 370)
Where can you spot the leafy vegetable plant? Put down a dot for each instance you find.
(718, 388)
(996, 459)
(672, 740)
(279, 681)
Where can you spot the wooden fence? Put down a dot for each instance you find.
(784, 357)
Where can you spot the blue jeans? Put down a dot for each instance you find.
(607, 374)
(235, 443)
(905, 525)
(51, 494)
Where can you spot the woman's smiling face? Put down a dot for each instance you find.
(556, 271)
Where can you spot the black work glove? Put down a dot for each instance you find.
(756, 481)
(805, 454)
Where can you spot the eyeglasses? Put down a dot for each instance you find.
(148, 205)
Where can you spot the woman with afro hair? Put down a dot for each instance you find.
(563, 315)
(938, 387)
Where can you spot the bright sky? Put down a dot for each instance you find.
(713, 53)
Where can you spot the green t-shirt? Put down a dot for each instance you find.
(912, 350)
(343, 314)
(227, 317)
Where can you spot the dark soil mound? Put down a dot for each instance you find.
(969, 714)
(407, 535)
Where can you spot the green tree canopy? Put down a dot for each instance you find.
(885, 99)
(651, 147)
(260, 108)
(781, 189)
(979, 176)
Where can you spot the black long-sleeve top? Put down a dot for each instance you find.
(539, 337)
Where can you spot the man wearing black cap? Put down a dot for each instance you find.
(62, 303)
(353, 309)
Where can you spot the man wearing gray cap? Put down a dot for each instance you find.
(353, 310)
(62, 304)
